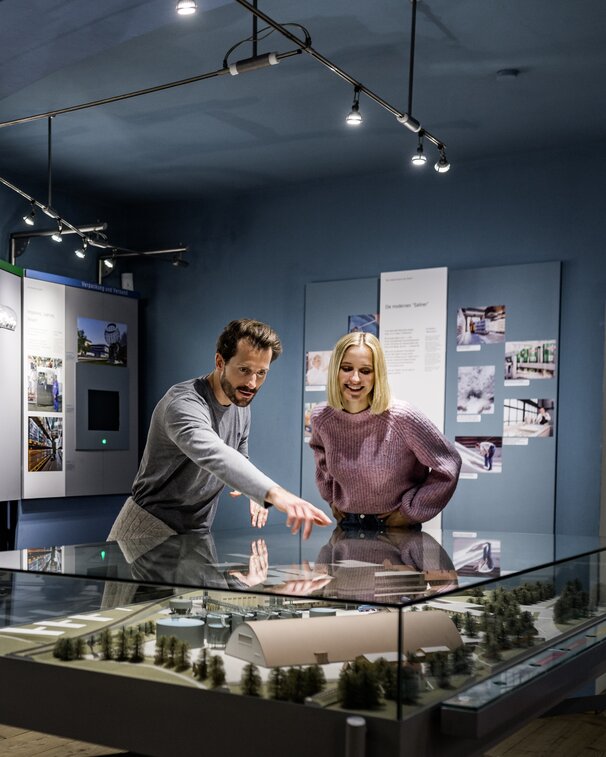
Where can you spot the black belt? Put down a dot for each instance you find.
(362, 522)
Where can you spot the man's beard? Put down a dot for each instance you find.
(230, 392)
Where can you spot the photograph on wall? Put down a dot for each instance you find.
(368, 323)
(316, 370)
(480, 325)
(102, 342)
(530, 360)
(44, 384)
(528, 418)
(477, 557)
(44, 559)
(8, 318)
(44, 444)
(475, 389)
(307, 408)
(480, 454)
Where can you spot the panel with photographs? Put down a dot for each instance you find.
(494, 354)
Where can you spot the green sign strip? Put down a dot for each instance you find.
(4, 266)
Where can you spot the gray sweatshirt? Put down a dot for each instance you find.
(194, 447)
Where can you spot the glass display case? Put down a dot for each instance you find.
(441, 643)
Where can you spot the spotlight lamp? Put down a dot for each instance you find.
(186, 7)
(81, 251)
(177, 260)
(442, 165)
(109, 263)
(354, 118)
(30, 218)
(58, 235)
(419, 158)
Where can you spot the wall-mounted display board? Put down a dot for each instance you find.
(10, 381)
(80, 384)
(502, 395)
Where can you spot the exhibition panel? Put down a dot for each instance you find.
(10, 381)
(69, 372)
(390, 629)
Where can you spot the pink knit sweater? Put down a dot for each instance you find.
(369, 463)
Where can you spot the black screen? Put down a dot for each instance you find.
(103, 410)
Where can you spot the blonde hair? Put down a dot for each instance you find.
(381, 394)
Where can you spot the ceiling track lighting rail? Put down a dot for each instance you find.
(106, 263)
(302, 46)
(242, 66)
(404, 118)
(19, 240)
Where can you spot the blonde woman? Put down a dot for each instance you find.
(379, 462)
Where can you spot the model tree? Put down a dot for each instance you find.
(91, 643)
(277, 685)
(136, 654)
(295, 685)
(123, 645)
(161, 650)
(469, 625)
(410, 685)
(462, 661)
(182, 661)
(78, 648)
(251, 680)
(171, 651)
(200, 667)
(359, 686)
(387, 677)
(107, 644)
(314, 680)
(491, 646)
(216, 671)
(442, 670)
(64, 649)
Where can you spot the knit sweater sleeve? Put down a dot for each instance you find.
(324, 481)
(438, 454)
(189, 426)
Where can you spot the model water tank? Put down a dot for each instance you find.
(180, 606)
(190, 630)
(322, 612)
(217, 634)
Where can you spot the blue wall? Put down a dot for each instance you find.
(252, 256)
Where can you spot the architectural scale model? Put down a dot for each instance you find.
(283, 648)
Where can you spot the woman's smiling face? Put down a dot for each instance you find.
(356, 378)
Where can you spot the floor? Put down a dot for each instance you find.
(582, 735)
(562, 736)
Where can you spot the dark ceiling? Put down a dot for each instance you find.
(286, 123)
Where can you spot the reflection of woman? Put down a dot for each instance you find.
(385, 566)
(374, 456)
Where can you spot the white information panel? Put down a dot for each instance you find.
(413, 335)
(10, 385)
(43, 388)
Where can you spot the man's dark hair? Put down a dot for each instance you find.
(259, 335)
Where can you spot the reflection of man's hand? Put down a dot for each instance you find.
(258, 513)
(311, 580)
(257, 565)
